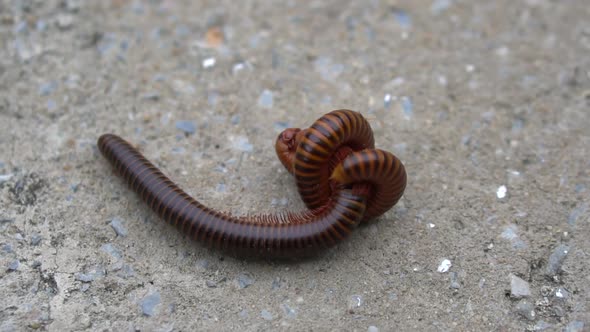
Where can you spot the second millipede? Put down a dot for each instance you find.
(340, 176)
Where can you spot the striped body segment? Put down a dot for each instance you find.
(340, 176)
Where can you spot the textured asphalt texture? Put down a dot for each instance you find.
(487, 103)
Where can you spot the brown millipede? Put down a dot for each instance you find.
(340, 176)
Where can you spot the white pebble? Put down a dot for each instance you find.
(444, 266)
(209, 62)
(501, 192)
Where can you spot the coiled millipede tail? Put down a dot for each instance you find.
(341, 177)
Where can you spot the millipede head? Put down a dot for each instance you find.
(286, 145)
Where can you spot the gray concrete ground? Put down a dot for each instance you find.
(486, 102)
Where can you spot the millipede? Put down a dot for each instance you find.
(341, 177)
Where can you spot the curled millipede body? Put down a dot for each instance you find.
(340, 177)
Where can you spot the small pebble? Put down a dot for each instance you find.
(526, 310)
(407, 107)
(211, 284)
(266, 315)
(454, 280)
(501, 192)
(288, 311)
(153, 96)
(51, 105)
(327, 68)
(209, 62)
(73, 5)
(5, 177)
(7, 248)
(510, 233)
(149, 303)
(188, 127)
(276, 283)
(214, 37)
(281, 125)
(244, 280)
(265, 100)
(558, 311)
(111, 250)
(402, 17)
(580, 188)
(178, 150)
(387, 100)
(126, 271)
(243, 314)
(241, 143)
(74, 187)
(41, 25)
(13, 266)
(36, 239)
(440, 5)
(556, 260)
(519, 288)
(517, 125)
(117, 225)
(444, 266)
(65, 21)
(238, 67)
(182, 31)
(561, 293)
(575, 326)
(576, 213)
(47, 88)
(203, 264)
(373, 328)
(355, 301)
(221, 187)
(85, 277)
(21, 27)
(542, 326)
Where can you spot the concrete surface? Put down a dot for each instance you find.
(486, 103)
